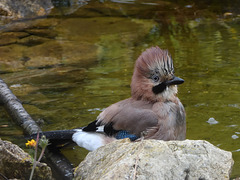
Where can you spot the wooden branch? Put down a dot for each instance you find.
(61, 167)
(17, 112)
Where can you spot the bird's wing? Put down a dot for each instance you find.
(160, 120)
(133, 116)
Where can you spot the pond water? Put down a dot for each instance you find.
(68, 67)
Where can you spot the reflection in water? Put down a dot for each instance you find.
(84, 62)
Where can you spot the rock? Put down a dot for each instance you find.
(25, 8)
(15, 163)
(48, 33)
(67, 7)
(154, 159)
(212, 121)
(11, 37)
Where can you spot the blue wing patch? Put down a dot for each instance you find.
(126, 134)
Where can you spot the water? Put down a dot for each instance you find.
(68, 67)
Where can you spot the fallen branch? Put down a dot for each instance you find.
(17, 112)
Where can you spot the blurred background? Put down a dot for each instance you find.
(70, 59)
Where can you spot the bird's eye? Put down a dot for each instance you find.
(155, 78)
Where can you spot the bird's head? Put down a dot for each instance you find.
(153, 78)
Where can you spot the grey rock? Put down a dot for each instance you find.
(25, 8)
(155, 159)
(15, 163)
(235, 136)
(212, 121)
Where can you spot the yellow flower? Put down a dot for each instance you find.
(31, 143)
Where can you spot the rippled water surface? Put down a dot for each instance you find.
(68, 67)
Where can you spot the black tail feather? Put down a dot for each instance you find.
(91, 126)
(57, 139)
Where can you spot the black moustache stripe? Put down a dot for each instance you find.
(159, 88)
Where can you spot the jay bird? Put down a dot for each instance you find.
(152, 112)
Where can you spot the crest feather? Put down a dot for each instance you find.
(155, 58)
(149, 62)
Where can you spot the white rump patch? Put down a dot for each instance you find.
(88, 140)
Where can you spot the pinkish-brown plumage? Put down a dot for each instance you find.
(150, 60)
(154, 110)
(159, 116)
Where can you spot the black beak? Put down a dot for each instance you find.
(174, 81)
